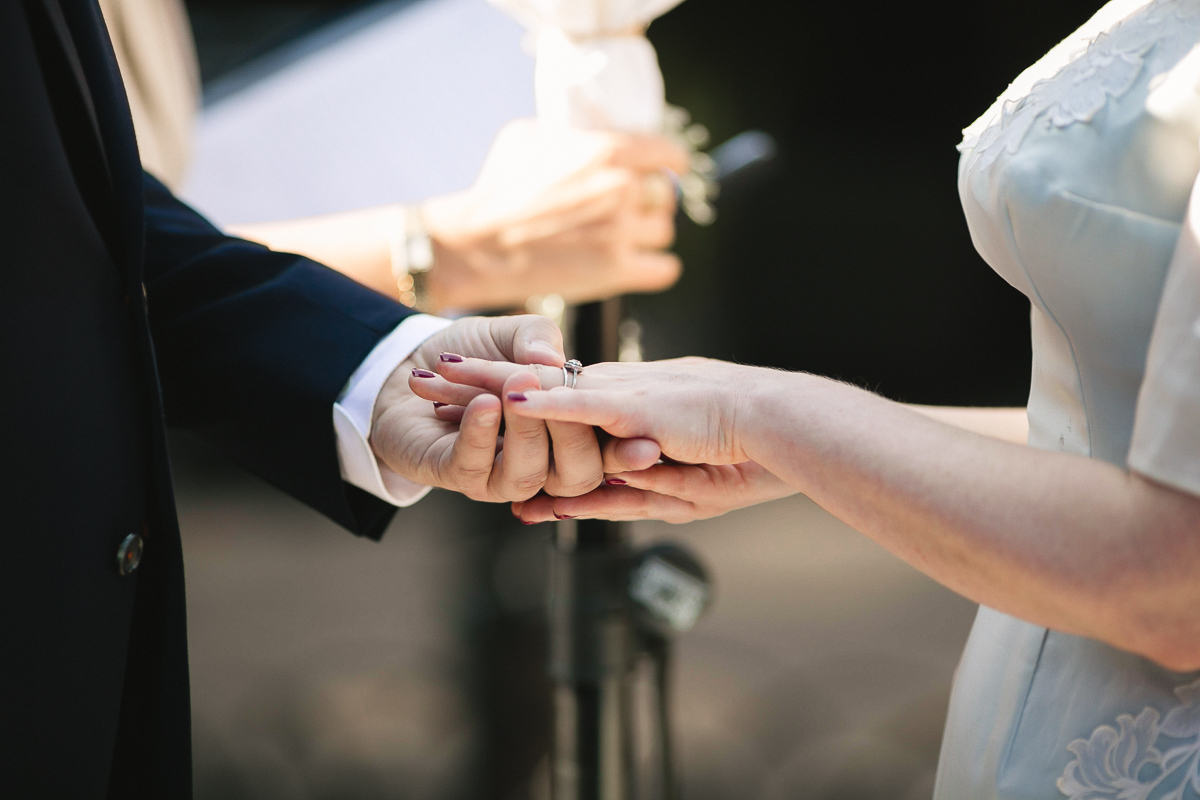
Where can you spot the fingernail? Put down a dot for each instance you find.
(517, 397)
(527, 522)
(451, 357)
(436, 404)
(423, 373)
(616, 482)
(562, 516)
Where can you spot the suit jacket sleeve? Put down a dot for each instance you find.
(253, 348)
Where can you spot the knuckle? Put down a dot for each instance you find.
(470, 475)
(535, 438)
(578, 446)
(524, 487)
(572, 488)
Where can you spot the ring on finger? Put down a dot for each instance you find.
(571, 371)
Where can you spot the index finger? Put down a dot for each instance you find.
(630, 455)
(492, 375)
(602, 409)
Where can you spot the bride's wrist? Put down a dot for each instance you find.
(770, 405)
(747, 424)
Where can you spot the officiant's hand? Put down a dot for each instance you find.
(582, 214)
(464, 450)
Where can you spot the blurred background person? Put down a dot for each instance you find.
(582, 214)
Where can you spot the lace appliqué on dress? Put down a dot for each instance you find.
(1130, 763)
(1108, 67)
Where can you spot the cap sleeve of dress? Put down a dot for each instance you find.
(1166, 430)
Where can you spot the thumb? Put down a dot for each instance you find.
(530, 339)
(630, 455)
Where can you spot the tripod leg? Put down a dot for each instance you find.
(660, 653)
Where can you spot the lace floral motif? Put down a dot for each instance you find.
(1130, 763)
(1108, 67)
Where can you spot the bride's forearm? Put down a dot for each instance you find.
(1065, 541)
(1006, 424)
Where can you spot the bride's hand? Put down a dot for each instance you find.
(671, 492)
(690, 407)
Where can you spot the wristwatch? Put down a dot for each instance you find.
(411, 252)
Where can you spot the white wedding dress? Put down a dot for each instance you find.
(1075, 187)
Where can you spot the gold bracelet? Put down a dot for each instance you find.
(411, 253)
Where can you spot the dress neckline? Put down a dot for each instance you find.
(1112, 14)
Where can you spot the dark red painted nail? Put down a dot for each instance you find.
(517, 397)
(451, 357)
(423, 373)
(616, 482)
(436, 404)
(562, 516)
(527, 522)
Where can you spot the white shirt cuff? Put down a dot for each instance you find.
(355, 407)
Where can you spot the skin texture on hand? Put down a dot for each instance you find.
(469, 455)
(583, 214)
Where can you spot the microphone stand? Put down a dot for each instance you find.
(593, 643)
(596, 631)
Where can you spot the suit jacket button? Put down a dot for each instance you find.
(129, 554)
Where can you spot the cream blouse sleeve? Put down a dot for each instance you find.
(1166, 431)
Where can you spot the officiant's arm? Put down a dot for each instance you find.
(582, 214)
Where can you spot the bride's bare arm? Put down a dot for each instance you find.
(1070, 542)
(1006, 424)
(1062, 540)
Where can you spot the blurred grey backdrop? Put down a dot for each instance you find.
(329, 667)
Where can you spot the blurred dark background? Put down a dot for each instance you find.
(327, 667)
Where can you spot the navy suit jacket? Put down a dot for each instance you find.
(122, 311)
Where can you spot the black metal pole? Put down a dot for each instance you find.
(593, 645)
(593, 637)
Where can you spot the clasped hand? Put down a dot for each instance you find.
(465, 451)
(671, 452)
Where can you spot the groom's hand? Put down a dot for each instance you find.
(468, 455)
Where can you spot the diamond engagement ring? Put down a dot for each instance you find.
(571, 372)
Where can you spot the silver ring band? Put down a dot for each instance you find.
(571, 372)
